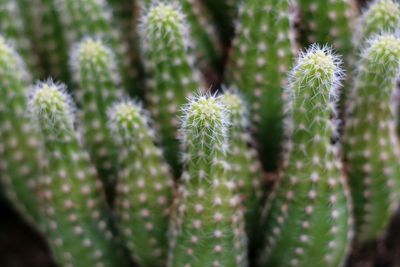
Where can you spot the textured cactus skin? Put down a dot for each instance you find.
(246, 170)
(75, 214)
(370, 145)
(144, 189)
(94, 18)
(380, 16)
(329, 22)
(19, 144)
(262, 53)
(307, 221)
(16, 33)
(171, 73)
(208, 226)
(95, 72)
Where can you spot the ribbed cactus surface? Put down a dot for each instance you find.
(307, 221)
(208, 225)
(371, 153)
(145, 186)
(75, 213)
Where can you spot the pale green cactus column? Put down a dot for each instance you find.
(329, 22)
(96, 74)
(246, 169)
(144, 188)
(208, 225)
(19, 142)
(94, 18)
(307, 220)
(171, 75)
(262, 53)
(370, 144)
(75, 213)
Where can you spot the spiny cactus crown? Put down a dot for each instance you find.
(384, 51)
(9, 59)
(382, 15)
(52, 106)
(205, 117)
(317, 69)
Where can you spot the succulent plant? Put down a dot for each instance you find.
(95, 72)
(75, 213)
(208, 225)
(93, 18)
(171, 72)
(19, 144)
(263, 51)
(307, 220)
(370, 153)
(145, 186)
(246, 170)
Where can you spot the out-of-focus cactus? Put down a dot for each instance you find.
(94, 18)
(328, 22)
(246, 170)
(13, 28)
(19, 143)
(144, 189)
(307, 221)
(75, 213)
(370, 145)
(96, 73)
(208, 225)
(262, 53)
(171, 73)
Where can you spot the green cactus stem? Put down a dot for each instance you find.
(262, 53)
(172, 76)
(19, 142)
(208, 226)
(94, 18)
(145, 186)
(370, 146)
(14, 30)
(245, 167)
(75, 213)
(307, 220)
(329, 22)
(95, 72)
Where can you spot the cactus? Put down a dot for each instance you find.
(19, 144)
(144, 190)
(307, 220)
(262, 52)
(95, 72)
(246, 170)
(370, 153)
(16, 33)
(171, 73)
(329, 22)
(75, 213)
(208, 224)
(380, 16)
(93, 18)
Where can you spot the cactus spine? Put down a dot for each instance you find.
(75, 213)
(144, 189)
(93, 18)
(95, 71)
(171, 74)
(19, 144)
(262, 52)
(246, 170)
(307, 219)
(371, 152)
(208, 227)
(329, 22)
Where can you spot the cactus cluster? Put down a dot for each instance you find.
(155, 168)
